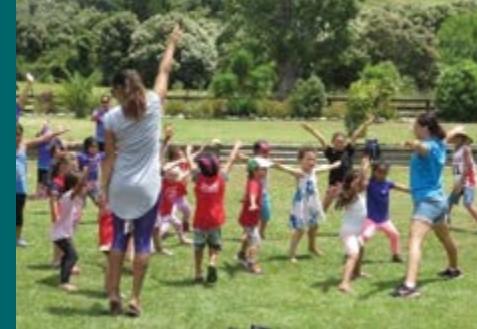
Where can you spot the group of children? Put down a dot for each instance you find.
(362, 194)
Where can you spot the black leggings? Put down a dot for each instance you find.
(21, 198)
(68, 260)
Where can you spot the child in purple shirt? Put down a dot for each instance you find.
(378, 191)
(91, 158)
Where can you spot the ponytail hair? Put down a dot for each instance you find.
(429, 120)
(134, 104)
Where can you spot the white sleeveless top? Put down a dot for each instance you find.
(135, 181)
(458, 163)
(354, 216)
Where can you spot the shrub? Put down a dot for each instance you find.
(308, 98)
(456, 95)
(210, 108)
(241, 106)
(274, 109)
(335, 111)
(45, 102)
(224, 84)
(458, 38)
(174, 107)
(77, 94)
(361, 102)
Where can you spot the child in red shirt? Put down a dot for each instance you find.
(210, 208)
(250, 215)
(172, 189)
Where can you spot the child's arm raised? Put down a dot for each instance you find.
(190, 158)
(165, 68)
(233, 157)
(359, 132)
(45, 138)
(316, 134)
(297, 173)
(364, 172)
(23, 97)
(328, 167)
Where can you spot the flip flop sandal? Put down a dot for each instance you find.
(115, 307)
(133, 311)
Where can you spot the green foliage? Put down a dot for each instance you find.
(244, 83)
(388, 35)
(196, 51)
(456, 95)
(296, 35)
(274, 109)
(77, 94)
(308, 98)
(114, 42)
(458, 38)
(372, 94)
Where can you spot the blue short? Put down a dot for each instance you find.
(140, 229)
(432, 211)
(468, 194)
(266, 208)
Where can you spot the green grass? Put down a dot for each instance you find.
(188, 131)
(287, 296)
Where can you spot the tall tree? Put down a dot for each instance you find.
(295, 33)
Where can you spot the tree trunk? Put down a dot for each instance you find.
(287, 76)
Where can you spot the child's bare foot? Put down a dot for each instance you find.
(254, 268)
(345, 288)
(293, 259)
(133, 309)
(76, 270)
(361, 275)
(68, 287)
(316, 252)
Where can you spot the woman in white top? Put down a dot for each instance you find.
(131, 171)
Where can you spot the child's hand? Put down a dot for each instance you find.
(253, 207)
(176, 34)
(168, 131)
(336, 164)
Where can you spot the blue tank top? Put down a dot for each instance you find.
(21, 164)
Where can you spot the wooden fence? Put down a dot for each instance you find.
(395, 155)
(406, 107)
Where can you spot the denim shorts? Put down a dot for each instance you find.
(432, 211)
(468, 194)
(266, 208)
(211, 238)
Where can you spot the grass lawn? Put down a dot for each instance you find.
(288, 132)
(288, 295)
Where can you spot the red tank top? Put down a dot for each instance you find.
(210, 210)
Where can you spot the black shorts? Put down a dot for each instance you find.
(21, 198)
(101, 146)
(42, 176)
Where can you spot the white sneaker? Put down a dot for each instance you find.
(22, 243)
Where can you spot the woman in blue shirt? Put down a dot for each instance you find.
(430, 204)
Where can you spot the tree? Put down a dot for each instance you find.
(458, 38)
(386, 35)
(456, 94)
(114, 35)
(308, 98)
(295, 33)
(196, 56)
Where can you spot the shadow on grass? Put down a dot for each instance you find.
(326, 285)
(50, 281)
(285, 258)
(90, 293)
(389, 285)
(232, 269)
(41, 267)
(96, 310)
(182, 283)
(327, 235)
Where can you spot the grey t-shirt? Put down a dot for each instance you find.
(135, 182)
